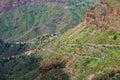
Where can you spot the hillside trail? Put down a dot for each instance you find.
(50, 49)
(97, 45)
(91, 47)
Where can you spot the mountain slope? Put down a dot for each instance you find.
(89, 51)
(39, 17)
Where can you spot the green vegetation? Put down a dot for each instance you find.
(31, 20)
(81, 53)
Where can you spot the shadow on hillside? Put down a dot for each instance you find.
(56, 74)
(53, 70)
(9, 49)
(12, 69)
(2, 77)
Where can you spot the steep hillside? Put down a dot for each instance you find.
(92, 48)
(6, 5)
(89, 51)
(25, 19)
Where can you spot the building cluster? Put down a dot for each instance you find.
(50, 36)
